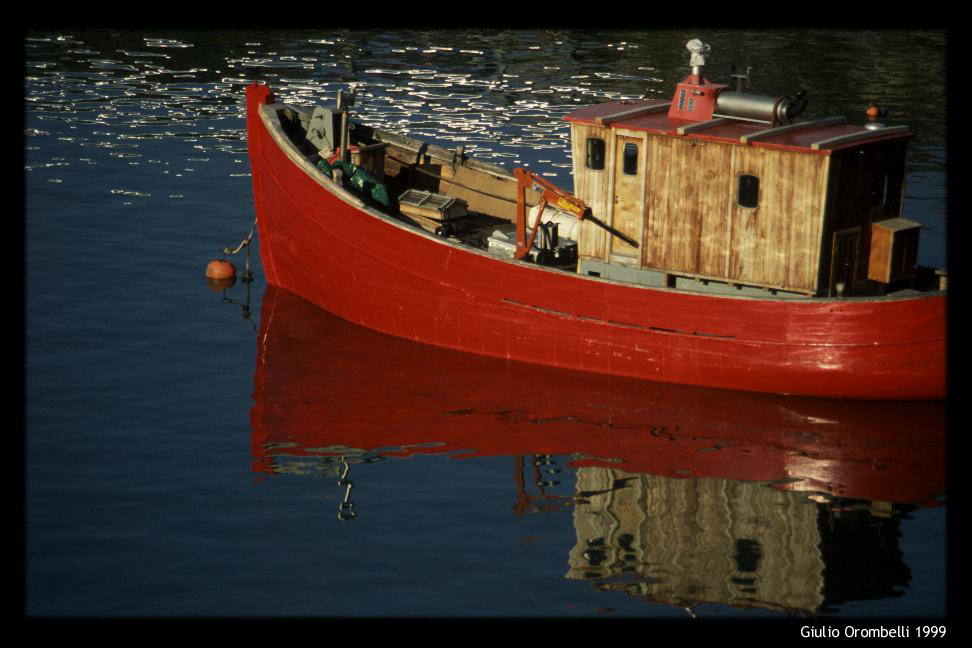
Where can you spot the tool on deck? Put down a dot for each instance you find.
(550, 194)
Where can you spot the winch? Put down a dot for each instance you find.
(696, 99)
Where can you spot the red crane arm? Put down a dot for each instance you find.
(549, 193)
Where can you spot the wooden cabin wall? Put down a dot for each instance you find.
(593, 187)
(810, 204)
(778, 243)
(849, 208)
(695, 226)
(687, 200)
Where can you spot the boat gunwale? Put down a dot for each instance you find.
(271, 121)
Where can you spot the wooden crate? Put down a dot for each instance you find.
(894, 250)
(432, 206)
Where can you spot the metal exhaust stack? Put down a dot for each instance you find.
(698, 51)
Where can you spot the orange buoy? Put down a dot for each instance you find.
(220, 269)
(873, 111)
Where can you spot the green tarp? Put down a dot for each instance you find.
(359, 179)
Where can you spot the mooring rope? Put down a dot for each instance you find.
(245, 243)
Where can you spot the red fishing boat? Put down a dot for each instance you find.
(711, 240)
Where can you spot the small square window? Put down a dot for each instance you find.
(748, 192)
(630, 159)
(595, 153)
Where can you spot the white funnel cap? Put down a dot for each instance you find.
(698, 50)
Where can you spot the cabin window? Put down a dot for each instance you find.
(879, 190)
(748, 193)
(595, 153)
(631, 159)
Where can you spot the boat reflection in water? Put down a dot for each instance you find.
(683, 495)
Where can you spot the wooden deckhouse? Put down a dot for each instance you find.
(724, 193)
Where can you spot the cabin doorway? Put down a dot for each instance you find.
(843, 261)
(629, 192)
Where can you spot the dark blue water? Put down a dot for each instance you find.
(148, 491)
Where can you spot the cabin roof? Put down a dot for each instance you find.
(820, 137)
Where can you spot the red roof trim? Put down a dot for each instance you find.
(728, 133)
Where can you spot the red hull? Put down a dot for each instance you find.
(386, 276)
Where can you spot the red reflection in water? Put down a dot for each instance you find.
(323, 386)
